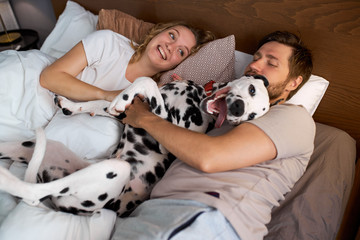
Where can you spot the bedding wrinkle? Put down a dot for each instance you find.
(27, 108)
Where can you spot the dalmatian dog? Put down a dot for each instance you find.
(126, 179)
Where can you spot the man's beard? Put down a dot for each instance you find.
(275, 91)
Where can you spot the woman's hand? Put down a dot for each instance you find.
(138, 113)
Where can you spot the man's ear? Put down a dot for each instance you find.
(294, 83)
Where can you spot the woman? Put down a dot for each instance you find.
(98, 67)
(105, 61)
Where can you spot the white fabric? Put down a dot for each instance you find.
(308, 96)
(25, 105)
(27, 222)
(73, 25)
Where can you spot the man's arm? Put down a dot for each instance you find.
(243, 146)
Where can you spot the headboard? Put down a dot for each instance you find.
(331, 29)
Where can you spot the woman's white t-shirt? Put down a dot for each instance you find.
(108, 55)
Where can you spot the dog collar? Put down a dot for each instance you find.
(209, 87)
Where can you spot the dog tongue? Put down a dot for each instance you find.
(222, 108)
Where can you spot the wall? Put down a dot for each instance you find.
(35, 14)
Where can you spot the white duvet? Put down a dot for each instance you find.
(25, 105)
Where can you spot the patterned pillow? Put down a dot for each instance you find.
(214, 61)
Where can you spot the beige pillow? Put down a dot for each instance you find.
(123, 23)
(214, 61)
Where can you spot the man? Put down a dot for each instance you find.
(223, 185)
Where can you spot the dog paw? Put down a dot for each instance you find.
(68, 107)
(119, 104)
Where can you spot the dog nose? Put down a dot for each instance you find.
(237, 108)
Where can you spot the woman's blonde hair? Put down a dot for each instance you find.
(202, 37)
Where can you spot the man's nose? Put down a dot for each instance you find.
(256, 66)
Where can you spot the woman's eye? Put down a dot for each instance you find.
(182, 53)
(252, 90)
(172, 36)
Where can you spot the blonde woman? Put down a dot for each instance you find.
(104, 63)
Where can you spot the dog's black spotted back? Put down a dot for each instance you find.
(148, 159)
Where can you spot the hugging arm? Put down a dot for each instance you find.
(242, 146)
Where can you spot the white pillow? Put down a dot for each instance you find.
(28, 222)
(73, 25)
(308, 95)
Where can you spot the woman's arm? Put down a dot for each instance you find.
(245, 145)
(60, 78)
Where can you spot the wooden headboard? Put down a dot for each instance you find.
(330, 28)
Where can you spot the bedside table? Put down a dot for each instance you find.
(28, 40)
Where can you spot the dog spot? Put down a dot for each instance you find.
(28, 144)
(44, 198)
(158, 110)
(130, 153)
(149, 177)
(65, 190)
(130, 137)
(130, 205)
(72, 210)
(133, 161)
(125, 97)
(67, 161)
(111, 205)
(140, 131)
(159, 170)
(111, 175)
(141, 149)
(87, 203)
(46, 177)
(151, 144)
(153, 103)
(192, 114)
(65, 173)
(102, 197)
(121, 116)
(66, 111)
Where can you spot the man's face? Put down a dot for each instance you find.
(272, 61)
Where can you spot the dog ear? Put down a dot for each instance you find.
(262, 77)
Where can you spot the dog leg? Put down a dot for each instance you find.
(141, 86)
(98, 107)
(107, 179)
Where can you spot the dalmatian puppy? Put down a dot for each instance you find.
(126, 179)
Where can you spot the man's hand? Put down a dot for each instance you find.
(137, 113)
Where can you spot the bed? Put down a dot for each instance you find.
(323, 204)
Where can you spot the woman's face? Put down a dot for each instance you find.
(170, 47)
